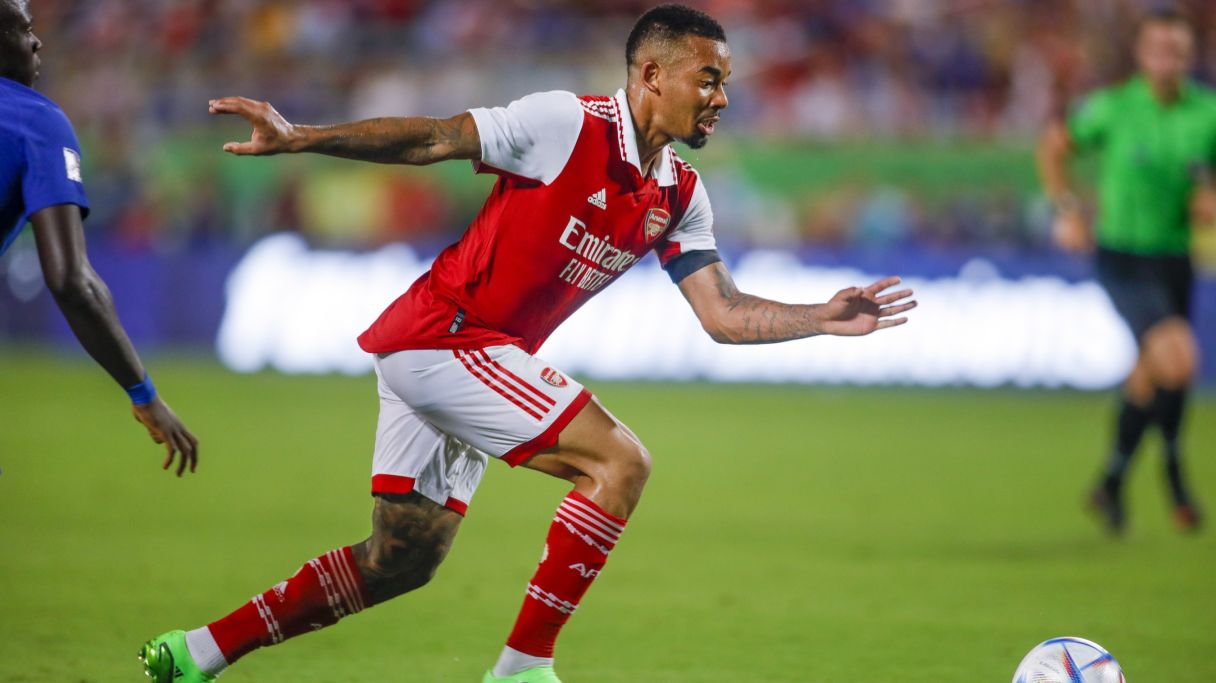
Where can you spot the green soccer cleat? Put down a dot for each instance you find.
(166, 660)
(540, 674)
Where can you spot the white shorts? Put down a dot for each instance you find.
(443, 413)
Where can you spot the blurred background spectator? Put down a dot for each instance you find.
(852, 123)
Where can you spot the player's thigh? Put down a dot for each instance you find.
(1171, 352)
(596, 445)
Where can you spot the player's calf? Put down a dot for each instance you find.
(411, 535)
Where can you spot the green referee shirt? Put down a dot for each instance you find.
(1150, 157)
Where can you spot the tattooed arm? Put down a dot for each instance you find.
(733, 317)
(411, 140)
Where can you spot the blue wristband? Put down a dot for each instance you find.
(142, 394)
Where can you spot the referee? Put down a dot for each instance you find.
(40, 183)
(1156, 136)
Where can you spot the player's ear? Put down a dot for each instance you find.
(650, 72)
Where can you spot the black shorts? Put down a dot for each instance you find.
(1146, 289)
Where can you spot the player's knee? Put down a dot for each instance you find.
(399, 565)
(410, 538)
(1174, 354)
(633, 465)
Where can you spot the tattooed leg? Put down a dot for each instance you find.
(411, 535)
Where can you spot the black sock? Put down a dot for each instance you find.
(1170, 405)
(1132, 421)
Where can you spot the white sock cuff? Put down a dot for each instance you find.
(205, 651)
(512, 661)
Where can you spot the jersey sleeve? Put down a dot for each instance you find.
(52, 163)
(691, 245)
(1087, 126)
(532, 137)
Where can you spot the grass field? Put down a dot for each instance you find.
(788, 534)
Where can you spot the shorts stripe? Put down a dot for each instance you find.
(456, 505)
(547, 438)
(489, 366)
(392, 483)
(543, 396)
(477, 372)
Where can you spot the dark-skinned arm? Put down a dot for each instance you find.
(733, 317)
(414, 140)
(86, 303)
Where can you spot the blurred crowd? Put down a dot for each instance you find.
(135, 76)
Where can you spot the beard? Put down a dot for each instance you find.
(695, 141)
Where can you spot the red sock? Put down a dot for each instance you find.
(319, 594)
(575, 551)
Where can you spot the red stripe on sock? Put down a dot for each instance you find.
(570, 565)
(301, 604)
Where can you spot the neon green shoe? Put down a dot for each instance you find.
(540, 674)
(166, 660)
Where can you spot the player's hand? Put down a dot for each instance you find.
(1071, 232)
(164, 427)
(1203, 208)
(272, 134)
(856, 311)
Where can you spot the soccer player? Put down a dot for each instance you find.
(1157, 136)
(40, 183)
(586, 187)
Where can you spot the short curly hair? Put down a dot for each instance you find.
(666, 22)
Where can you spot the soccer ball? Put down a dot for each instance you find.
(1068, 660)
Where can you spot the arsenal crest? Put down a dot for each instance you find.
(553, 377)
(656, 223)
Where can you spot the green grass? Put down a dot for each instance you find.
(788, 534)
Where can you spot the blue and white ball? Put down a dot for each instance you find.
(1068, 660)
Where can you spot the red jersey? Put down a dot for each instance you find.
(570, 212)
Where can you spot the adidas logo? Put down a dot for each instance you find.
(599, 199)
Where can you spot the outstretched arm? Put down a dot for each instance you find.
(89, 309)
(733, 317)
(413, 140)
(1070, 229)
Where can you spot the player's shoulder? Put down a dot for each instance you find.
(602, 107)
(560, 98)
(32, 111)
(551, 109)
(16, 94)
(1204, 94)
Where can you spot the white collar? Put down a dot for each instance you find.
(663, 170)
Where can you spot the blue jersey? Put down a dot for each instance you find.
(39, 159)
